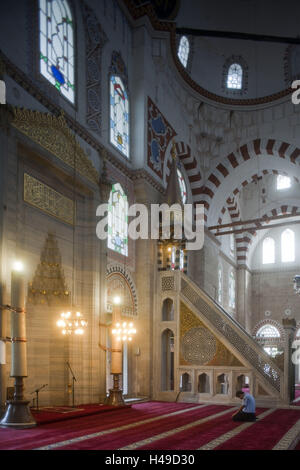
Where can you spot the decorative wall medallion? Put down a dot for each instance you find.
(198, 346)
(160, 133)
(48, 200)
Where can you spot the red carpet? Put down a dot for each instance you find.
(159, 426)
(120, 439)
(48, 415)
(265, 433)
(46, 434)
(197, 436)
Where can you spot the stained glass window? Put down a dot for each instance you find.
(182, 186)
(118, 220)
(56, 33)
(231, 290)
(183, 50)
(283, 182)
(119, 115)
(235, 77)
(287, 246)
(268, 251)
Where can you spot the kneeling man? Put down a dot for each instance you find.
(247, 410)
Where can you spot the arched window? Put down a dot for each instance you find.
(268, 331)
(56, 36)
(283, 182)
(118, 220)
(119, 115)
(287, 246)
(231, 290)
(268, 251)
(235, 77)
(220, 285)
(182, 186)
(183, 50)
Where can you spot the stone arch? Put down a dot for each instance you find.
(118, 269)
(246, 153)
(247, 238)
(268, 321)
(203, 383)
(190, 165)
(186, 382)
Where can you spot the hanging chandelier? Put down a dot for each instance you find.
(72, 323)
(122, 331)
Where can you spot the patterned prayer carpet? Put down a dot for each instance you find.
(162, 426)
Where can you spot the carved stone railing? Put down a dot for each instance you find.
(233, 332)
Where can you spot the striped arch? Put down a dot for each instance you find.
(247, 239)
(119, 269)
(274, 323)
(243, 241)
(190, 165)
(231, 202)
(264, 147)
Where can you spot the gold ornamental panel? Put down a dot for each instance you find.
(48, 200)
(53, 134)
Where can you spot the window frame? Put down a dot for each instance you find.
(182, 37)
(128, 158)
(294, 246)
(110, 235)
(263, 249)
(51, 90)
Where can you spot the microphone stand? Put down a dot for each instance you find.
(37, 395)
(73, 385)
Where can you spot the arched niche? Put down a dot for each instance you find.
(167, 360)
(168, 310)
(222, 385)
(203, 383)
(243, 383)
(185, 382)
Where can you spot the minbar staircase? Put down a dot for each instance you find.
(268, 383)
